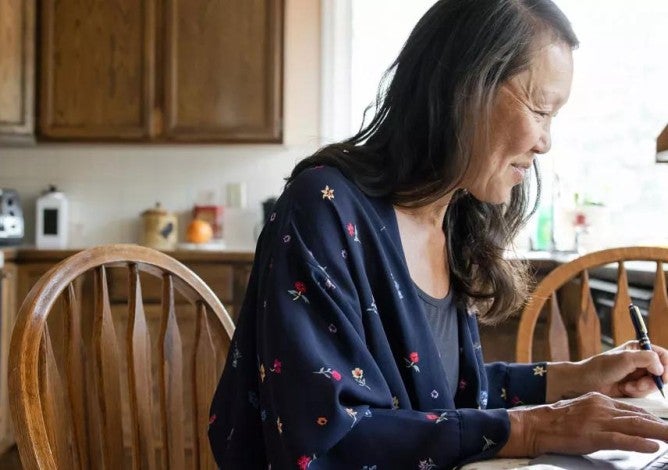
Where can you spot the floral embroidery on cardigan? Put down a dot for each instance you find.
(358, 375)
(329, 373)
(328, 193)
(427, 464)
(299, 291)
(412, 360)
(352, 231)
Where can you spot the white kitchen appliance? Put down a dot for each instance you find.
(52, 220)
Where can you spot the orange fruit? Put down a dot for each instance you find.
(199, 231)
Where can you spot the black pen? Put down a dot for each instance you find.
(643, 339)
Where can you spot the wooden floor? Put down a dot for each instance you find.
(10, 460)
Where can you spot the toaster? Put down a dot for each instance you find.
(11, 218)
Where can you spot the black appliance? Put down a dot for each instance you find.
(11, 218)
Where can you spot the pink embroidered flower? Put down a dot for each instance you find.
(277, 366)
(335, 375)
(412, 360)
(303, 462)
(300, 287)
(351, 229)
(432, 417)
(212, 418)
(462, 384)
(321, 421)
(516, 401)
(357, 373)
(298, 291)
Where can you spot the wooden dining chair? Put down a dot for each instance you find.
(102, 378)
(585, 323)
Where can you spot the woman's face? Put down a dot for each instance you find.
(520, 124)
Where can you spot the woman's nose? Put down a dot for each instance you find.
(544, 141)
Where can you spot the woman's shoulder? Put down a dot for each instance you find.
(317, 176)
(322, 184)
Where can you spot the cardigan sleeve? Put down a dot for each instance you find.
(323, 398)
(516, 384)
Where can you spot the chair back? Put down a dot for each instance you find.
(585, 321)
(101, 378)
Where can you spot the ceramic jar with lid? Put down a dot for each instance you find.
(160, 228)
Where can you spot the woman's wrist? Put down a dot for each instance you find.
(564, 380)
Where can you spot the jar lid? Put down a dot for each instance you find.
(157, 210)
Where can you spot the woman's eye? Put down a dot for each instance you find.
(542, 114)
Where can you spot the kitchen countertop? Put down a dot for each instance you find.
(31, 254)
(542, 262)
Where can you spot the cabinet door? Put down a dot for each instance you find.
(8, 310)
(17, 64)
(223, 74)
(97, 69)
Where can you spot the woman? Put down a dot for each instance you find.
(357, 344)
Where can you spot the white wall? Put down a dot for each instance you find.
(108, 186)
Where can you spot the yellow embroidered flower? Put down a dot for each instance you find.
(327, 193)
(262, 374)
(539, 370)
(279, 425)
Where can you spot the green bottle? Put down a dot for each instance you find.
(544, 230)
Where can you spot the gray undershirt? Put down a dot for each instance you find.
(442, 318)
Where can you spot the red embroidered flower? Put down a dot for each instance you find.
(414, 357)
(335, 375)
(322, 421)
(516, 400)
(277, 366)
(351, 229)
(462, 384)
(432, 417)
(212, 418)
(303, 462)
(300, 287)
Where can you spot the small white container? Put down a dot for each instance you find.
(52, 220)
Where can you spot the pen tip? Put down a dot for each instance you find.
(662, 394)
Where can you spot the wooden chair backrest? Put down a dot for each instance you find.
(587, 325)
(85, 393)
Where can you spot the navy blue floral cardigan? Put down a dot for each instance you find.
(333, 364)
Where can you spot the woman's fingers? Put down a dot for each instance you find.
(594, 422)
(622, 441)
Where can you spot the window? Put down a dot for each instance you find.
(603, 139)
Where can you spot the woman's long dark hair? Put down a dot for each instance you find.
(432, 103)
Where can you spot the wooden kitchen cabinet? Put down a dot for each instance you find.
(17, 65)
(8, 310)
(172, 70)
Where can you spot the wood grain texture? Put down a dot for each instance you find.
(658, 309)
(557, 338)
(588, 328)
(204, 384)
(223, 72)
(55, 409)
(171, 380)
(107, 370)
(97, 62)
(17, 69)
(622, 327)
(30, 379)
(77, 389)
(139, 377)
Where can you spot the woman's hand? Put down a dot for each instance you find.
(625, 371)
(582, 425)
